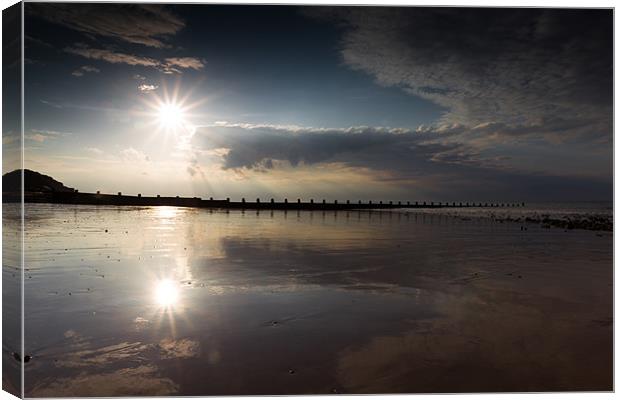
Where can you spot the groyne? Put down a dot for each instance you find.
(120, 199)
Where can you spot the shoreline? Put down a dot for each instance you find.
(597, 222)
(568, 221)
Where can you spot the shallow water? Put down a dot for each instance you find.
(309, 302)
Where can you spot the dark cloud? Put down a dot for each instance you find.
(145, 24)
(252, 146)
(426, 160)
(516, 67)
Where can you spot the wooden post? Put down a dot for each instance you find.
(119, 193)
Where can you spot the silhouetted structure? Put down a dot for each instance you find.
(140, 200)
(44, 189)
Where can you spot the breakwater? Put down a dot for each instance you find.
(120, 199)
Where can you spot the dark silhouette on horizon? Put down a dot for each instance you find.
(39, 188)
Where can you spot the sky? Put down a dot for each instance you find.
(372, 103)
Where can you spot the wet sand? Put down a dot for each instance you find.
(310, 302)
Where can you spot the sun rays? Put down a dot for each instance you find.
(170, 113)
(166, 293)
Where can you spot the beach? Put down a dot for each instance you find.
(310, 302)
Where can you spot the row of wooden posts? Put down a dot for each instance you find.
(391, 203)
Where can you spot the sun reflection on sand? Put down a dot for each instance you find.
(166, 212)
(166, 293)
(169, 308)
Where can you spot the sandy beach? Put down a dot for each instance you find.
(309, 303)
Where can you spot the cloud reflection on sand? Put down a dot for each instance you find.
(336, 298)
(133, 373)
(515, 353)
(133, 381)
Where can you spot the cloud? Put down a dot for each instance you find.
(429, 160)
(146, 88)
(42, 135)
(37, 137)
(10, 138)
(37, 41)
(51, 104)
(252, 146)
(113, 57)
(132, 155)
(185, 62)
(515, 67)
(86, 68)
(144, 24)
(169, 65)
(257, 146)
(94, 150)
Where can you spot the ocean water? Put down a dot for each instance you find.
(179, 301)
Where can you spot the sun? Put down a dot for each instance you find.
(170, 115)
